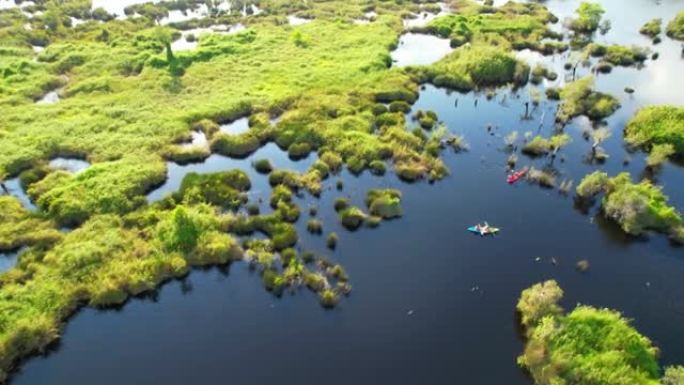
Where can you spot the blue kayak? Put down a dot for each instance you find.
(482, 230)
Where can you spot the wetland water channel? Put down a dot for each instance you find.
(432, 304)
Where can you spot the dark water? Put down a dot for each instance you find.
(8, 260)
(278, 158)
(431, 303)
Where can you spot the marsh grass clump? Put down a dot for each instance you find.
(552, 93)
(314, 226)
(331, 241)
(377, 167)
(578, 98)
(652, 28)
(341, 204)
(352, 217)
(223, 189)
(426, 119)
(575, 341)
(263, 166)
(540, 146)
(675, 28)
(659, 155)
(479, 66)
(657, 125)
(541, 177)
(299, 150)
(238, 146)
(588, 18)
(385, 203)
(618, 55)
(582, 265)
(328, 298)
(637, 208)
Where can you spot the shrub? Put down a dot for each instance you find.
(588, 17)
(675, 28)
(299, 150)
(328, 298)
(674, 375)
(331, 241)
(541, 177)
(377, 167)
(223, 188)
(652, 28)
(352, 218)
(341, 204)
(314, 226)
(659, 154)
(539, 301)
(587, 345)
(592, 184)
(384, 203)
(657, 125)
(238, 146)
(333, 160)
(399, 106)
(578, 98)
(263, 166)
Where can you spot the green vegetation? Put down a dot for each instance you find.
(331, 241)
(352, 217)
(618, 55)
(587, 345)
(637, 208)
(514, 25)
(675, 28)
(263, 166)
(539, 145)
(659, 154)
(588, 17)
(652, 28)
(477, 66)
(657, 125)
(222, 188)
(578, 98)
(384, 203)
(314, 226)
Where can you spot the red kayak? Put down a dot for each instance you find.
(514, 177)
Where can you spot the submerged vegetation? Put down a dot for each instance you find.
(586, 345)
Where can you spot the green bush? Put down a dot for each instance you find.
(588, 17)
(384, 203)
(223, 188)
(675, 28)
(587, 345)
(238, 146)
(263, 166)
(314, 226)
(652, 28)
(331, 241)
(352, 218)
(657, 125)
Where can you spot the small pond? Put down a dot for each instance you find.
(8, 260)
(420, 49)
(72, 165)
(237, 127)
